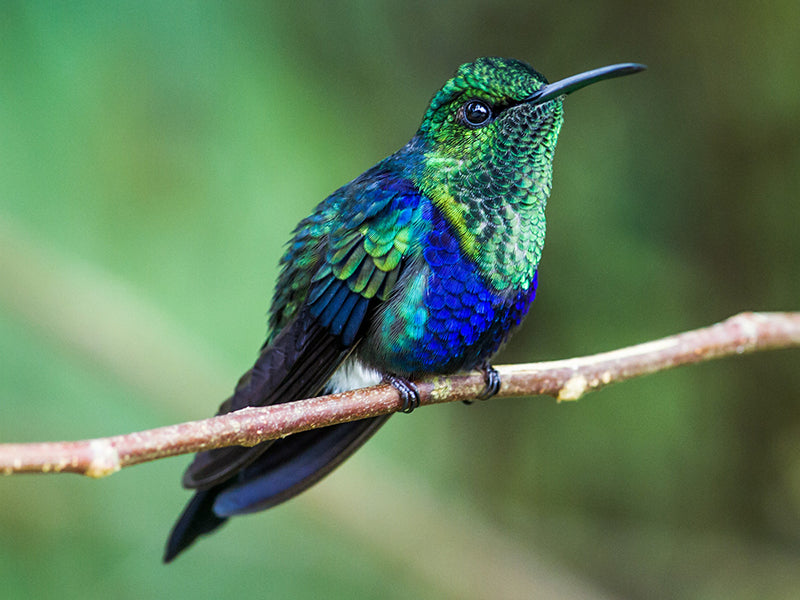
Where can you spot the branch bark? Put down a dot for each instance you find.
(566, 379)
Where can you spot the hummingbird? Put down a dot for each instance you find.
(422, 265)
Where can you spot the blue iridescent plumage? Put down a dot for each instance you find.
(456, 326)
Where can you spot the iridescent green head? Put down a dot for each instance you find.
(495, 111)
(472, 106)
(489, 136)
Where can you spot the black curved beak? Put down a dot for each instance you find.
(576, 82)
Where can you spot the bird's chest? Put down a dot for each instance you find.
(445, 314)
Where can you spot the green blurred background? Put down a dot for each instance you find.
(154, 157)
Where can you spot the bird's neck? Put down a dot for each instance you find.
(497, 211)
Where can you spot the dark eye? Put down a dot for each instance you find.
(476, 113)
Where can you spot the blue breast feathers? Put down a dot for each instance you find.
(462, 320)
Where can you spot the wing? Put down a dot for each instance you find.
(332, 279)
(294, 366)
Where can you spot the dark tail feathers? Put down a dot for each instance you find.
(198, 518)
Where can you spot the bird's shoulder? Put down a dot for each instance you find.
(357, 237)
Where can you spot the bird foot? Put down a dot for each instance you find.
(492, 379)
(409, 393)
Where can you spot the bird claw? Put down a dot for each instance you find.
(492, 379)
(409, 393)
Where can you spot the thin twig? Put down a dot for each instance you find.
(563, 379)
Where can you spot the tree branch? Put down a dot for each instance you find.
(563, 379)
